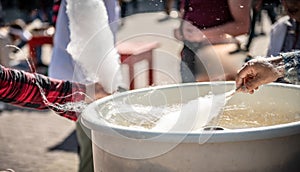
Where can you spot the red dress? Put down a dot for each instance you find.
(207, 13)
(202, 14)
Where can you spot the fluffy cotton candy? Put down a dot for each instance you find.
(193, 115)
(92, 43)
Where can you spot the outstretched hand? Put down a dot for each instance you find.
(255, 73)
(95, 91)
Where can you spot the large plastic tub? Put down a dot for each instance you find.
(269, 148)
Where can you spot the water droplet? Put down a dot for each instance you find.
(241, 6)
(190, 9)
(218, 19)
(68, 106)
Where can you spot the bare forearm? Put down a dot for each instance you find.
(232, 28)
(37, 91)
(261, 71)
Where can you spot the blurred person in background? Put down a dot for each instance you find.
(15, 34)
(283, 57)
(214, 21)
(285, 33)
(124, 6)
(41, 12)
(62, 67)
(257, 7)
(168, 5)
(55, 10)
(270, 7)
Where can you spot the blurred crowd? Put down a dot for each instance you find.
(36, 16)
(20, 22)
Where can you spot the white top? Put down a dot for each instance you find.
(277, 36)
(62, 65)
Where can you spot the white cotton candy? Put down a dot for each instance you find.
(193, 115)
(92, 43)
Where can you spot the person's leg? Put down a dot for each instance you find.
(178, 3)
(271, 12)
(85, 148)
(123, 6)
(135, 5)
(168, 6)
(187, 65)
(251, 29)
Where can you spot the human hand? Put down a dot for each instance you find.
(95, 91)
(255, 73)
(192, 33)
(99, 91)
(177, 34)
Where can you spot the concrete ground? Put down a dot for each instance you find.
(33, 141)
(43, 141)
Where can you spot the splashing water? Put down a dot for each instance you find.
(193, 115)
(176, 117)
(86, 20)
(133, 116)
(29, 62)
(69, 106)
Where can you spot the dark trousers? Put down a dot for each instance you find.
(190, 62)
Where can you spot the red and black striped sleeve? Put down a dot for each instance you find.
(22, 89)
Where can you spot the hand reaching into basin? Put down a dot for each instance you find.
(261, 71)
(255, 73)
(95, 91)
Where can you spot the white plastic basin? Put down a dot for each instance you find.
(269, 148)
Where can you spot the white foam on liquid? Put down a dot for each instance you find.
(193, 115)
